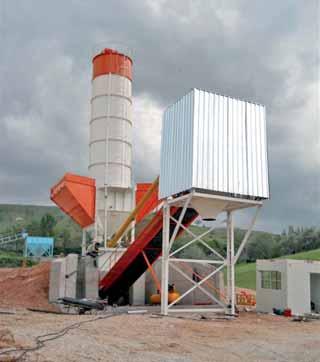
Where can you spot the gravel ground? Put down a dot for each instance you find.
(251, 337)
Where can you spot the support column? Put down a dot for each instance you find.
(230, 263)
(83, 244)
(133, 224)
(97, 223)
(105, 222)
(165, 259)
(133, 232)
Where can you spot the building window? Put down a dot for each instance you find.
(270, 280)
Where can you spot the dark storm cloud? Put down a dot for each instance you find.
(261, 51)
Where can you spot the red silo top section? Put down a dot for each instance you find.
(111, 61)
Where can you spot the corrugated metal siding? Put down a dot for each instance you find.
(237, 152)
(176, 146)
(227, 143)
(210, 141)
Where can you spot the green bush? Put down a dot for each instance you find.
(61, 250)
(9, 261)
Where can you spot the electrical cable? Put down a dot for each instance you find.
(42, 339)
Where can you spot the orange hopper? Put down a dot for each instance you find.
(75, 195)
(150, 204)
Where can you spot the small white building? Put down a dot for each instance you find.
(285, 283)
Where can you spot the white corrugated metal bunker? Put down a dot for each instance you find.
(214, 143)
(213, 160)
(285, 283)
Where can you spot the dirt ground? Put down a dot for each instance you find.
(141, 338)
(25, 287)
(250, 337)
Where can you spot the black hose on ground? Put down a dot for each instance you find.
(44, 338)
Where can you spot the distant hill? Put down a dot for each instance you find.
(262, 245)
(11, 215)
(15, 217)
(18, 216)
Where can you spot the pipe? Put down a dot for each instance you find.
(133, 214)
(152, 272)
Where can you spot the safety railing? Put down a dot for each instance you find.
(6, 239)
(112, 259)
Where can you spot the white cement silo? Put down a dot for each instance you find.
(111, 140)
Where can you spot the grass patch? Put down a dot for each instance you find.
(246, 275)
(10, 260)
(305, 255)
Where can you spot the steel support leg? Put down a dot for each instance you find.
(133, 232)
(230, 263)
(83, 244)
(165, 259)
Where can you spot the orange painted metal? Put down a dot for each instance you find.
(150, 204)
(111, 61)
(150, 241)
(75, 195)
(131, 217)
(152, 272)
(156, 298)
(143, 239)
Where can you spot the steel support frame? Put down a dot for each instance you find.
(165, 258)
(229, 261)
(84, 242)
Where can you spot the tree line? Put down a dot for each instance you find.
(261, 245)
(66, 234)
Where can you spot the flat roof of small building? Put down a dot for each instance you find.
(273, 264)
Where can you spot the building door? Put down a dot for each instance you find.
(315, 292)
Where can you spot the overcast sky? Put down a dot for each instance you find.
(262, 51)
